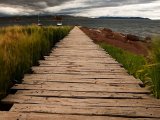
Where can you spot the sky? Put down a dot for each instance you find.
(86, 8)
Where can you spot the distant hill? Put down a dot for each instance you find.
(122, 18)
(64, 17)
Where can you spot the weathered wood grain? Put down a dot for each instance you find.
(45, 116)
(76, 94)
(82, 87)
(92, 102)
(83, 110)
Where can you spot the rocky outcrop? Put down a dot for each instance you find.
(108, 33)
(132, 37)
(119, 36)
(127, 42)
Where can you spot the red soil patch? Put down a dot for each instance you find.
(127, 42)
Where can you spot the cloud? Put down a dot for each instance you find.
(150, 10)
(69, 6)
(41, 4)
(89, 8)
(33, 4)
(14, 10)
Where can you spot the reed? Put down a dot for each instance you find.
(21, 47)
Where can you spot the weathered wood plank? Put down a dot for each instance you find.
(84, 65)
(79, 110)
(45, 116)
(100, 65)
(76, 94)
(85, 84)
(83, 87)
(89, 81)
(65, 76)
(71, 72)
(95, 69)
(82, 60)
(92, 102)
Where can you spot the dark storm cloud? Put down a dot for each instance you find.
(41, 4)
(33, 4)
(90, 4)
(76, 7)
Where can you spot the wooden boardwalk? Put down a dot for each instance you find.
(79, 81)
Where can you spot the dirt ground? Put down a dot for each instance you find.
(127, 42)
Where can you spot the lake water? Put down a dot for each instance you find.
(140, 27)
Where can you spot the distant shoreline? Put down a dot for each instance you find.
(130, 18)
(133, 25)
(67, 16)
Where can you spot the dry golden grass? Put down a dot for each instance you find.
(21, 47)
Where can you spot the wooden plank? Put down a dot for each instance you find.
(81, 52)
(51, 78)
(79, 110)
(89, 81)
(44, 116)
(79, 74)
(109, 72)
(82, 56)
(82, 87)
(82, 60)
(76, 69)
(65, 76)
(92, 102)
(53, 62)
(76, 94)
(89, 64)
(77, 66)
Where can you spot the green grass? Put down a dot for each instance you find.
(21, 47)
(153, 67)
(150, 73)
(155, 70)
(130, 61)
(148, 70)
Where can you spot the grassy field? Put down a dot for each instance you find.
(21, 47)
(146, 69)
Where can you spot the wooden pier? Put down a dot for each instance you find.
(80, 81)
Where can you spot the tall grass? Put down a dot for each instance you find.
(155, 70)
(130, 61)
(150, 73)
(148, 70)
(21, 47)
